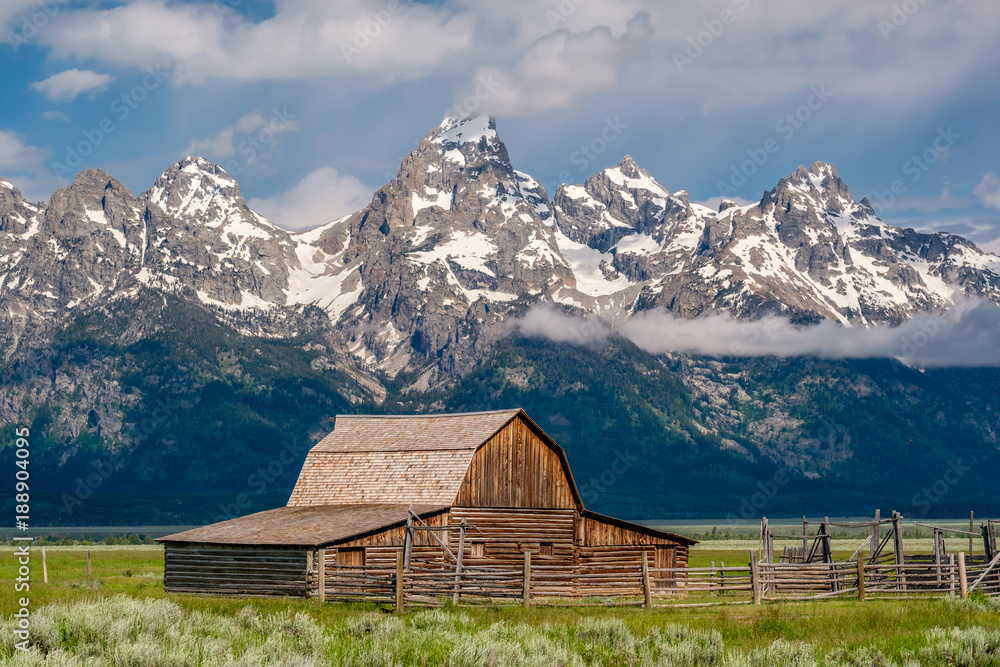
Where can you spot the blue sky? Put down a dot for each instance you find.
(312, 104)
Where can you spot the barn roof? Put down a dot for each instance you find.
(313, 526)
(405, 458)
(409, 433)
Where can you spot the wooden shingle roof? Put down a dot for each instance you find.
(303, 526)
(395, 459)
(408, 433)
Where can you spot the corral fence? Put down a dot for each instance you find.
(639, 583)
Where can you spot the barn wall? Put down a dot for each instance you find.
(507, 533)
(516, 468)
(242, 570)
(380, 548)
(596, 532)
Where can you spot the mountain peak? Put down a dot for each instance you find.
(820, 168)
(472, 129)
(631, 168)
(630, 175)
(196, 165)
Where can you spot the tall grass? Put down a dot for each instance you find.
(123, 631)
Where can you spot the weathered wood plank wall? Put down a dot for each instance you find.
(235, 570)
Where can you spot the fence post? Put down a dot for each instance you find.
(88, 563)
(45, 568)
(645, 581)
(711, 579)
(722, 577)
(399, 581)
(963, 578)
(876, 534)
(972, 528)
(951, 574)
(526, 594)
(458, 563)
(755, 577)
(898, 549)
(321, 574)
(861, 577)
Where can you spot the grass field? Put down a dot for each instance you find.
(112, 619)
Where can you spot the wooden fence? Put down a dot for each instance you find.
(638, 583)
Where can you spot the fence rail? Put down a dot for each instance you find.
(638, 583)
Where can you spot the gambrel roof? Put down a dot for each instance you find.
(399, 459)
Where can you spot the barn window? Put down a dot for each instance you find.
(351, 556)
(478, 549)
(545, 549)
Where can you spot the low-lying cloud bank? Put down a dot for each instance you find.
(968, 335)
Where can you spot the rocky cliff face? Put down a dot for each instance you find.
(423, 278)
(112, 305)
(807, 250)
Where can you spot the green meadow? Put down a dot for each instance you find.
(121, 616)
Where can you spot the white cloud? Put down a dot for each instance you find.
(787, 45)
(989, 190)
(66, 86)
(254, 132)
(24, 165)
(968, 335)
(713, 202)
(556, 71)
(305, 39)
(56, 116)
(322, 196)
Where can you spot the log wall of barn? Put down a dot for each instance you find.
(516, 468)
(240, 570)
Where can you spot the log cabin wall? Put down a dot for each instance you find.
(235, 570)
(516, 468)
(505, 534)
(380, 548)
(604, 542)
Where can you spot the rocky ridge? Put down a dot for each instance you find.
(424, 278)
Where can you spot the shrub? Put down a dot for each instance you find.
(779, 654)
(683, 646)
(963, 646)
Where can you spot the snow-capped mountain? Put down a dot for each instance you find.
(459, 241)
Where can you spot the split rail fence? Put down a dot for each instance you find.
(639, 583)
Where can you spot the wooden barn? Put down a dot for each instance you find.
(463, 495)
